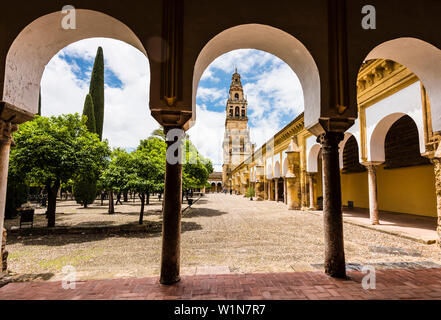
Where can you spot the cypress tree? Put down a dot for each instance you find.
(96, 90)
(89, 111)
(39, 103)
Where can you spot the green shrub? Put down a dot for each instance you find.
(250, 192)
(84, 191)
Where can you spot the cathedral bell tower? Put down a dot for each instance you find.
(236, 145)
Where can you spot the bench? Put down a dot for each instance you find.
(27, 217)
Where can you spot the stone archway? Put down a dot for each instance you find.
(423, 59)
(274, 41)
(33, 49)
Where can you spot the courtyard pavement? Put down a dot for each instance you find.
(226, 239)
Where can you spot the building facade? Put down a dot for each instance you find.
(385, 159)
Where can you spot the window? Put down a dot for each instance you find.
(231, 112)
(243, 112)
(237, 112)
(236, 96)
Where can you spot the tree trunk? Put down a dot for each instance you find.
(111, 206)
(126, 196)
(141, 213)
(85, 204)
(148, 198)
(52, 202)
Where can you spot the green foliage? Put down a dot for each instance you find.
(158, 133)
(50, 151)
(148, 168)
(84, 190)
(250, 192)
(89, 112)
(116, 175)
(96, 90)
(57, 147)
(196, 168)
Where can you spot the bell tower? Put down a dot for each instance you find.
(236, 145)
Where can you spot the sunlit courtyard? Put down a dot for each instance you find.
(221, 234)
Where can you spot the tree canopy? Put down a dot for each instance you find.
(51, 150)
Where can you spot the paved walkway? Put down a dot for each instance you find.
(390, 284)
(420, 228)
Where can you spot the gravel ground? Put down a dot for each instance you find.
(221, 233)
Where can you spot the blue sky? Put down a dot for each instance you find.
(273, 91)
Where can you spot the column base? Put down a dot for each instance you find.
(171, 281)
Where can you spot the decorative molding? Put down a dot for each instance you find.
(172, 51)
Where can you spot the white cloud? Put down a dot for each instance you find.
(208, 133)
(127, 116)
(212, 94)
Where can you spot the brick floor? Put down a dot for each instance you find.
(390, 284)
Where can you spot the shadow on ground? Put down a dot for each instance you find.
(202, 212)
(53, 237)
(12, 277)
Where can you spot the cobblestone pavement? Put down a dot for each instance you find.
(390, 284)
(221, 234)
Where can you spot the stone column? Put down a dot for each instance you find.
(265, 189)
(373, 200)
(171, 225)
(6, 131)
(332, 212)
(276, 189)
(312, 204)
(285, 197)
(437, 167)
(259, 183)
(270, 189)
(293, 180)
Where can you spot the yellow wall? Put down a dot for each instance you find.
(354, 187)
(407, 190)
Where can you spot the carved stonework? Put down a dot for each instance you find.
(375, 72)
(6, 131)
(4, 253)
(437, 167)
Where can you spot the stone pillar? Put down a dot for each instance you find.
(171, 225)
(265, 189)
(276, 189)
(4, 253)
(437, 167)
(6, 131)
(285, 196)
(259, 183)
(373, 199)
(271, 190)
(293, 180)
(312, 198)
(332, 212)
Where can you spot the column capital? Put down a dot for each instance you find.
(6, 131)
(330, 139)
(371, 166)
